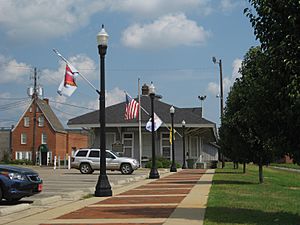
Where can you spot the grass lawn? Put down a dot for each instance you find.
(236, 198)
(286, 165)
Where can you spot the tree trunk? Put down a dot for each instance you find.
(244, 167)
(260, 167)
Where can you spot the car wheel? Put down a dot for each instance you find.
(13, 199)
(126, 168)
(0, 194)
(85, 168)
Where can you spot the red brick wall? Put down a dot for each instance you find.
(77, 140)
(61, 143)
(20, 128)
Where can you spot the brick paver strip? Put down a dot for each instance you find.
(104, 224)
(124, 212)
(174, 182)
(154, 186)
(156, 192)
(142, 200)
(169, 190)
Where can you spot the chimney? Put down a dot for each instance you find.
(46, 100)
(145, 89)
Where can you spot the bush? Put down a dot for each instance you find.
(6, 157)
(21, 162)
(161, 163)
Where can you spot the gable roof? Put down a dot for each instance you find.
(48, 113)
(50, 116)
(115, 116)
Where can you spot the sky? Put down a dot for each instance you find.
(168, 42)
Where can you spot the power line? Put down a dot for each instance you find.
(13, 105)
(74, 105)
(13, 98)
(70, 114)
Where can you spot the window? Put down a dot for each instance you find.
(26, 121)
(23, 138)
(194, 147)
(81, 153)
(41, 121)
(24, 155)
(30, 109)
(44, 138)
(165, 145)
(128, 144)
(94, 154)
(109, 156)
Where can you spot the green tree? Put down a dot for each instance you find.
(244, 130)
(276, 25)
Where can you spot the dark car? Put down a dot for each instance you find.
(17, 182)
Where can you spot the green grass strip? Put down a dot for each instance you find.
(236, 198)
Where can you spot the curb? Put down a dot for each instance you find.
(45, 201)
(13, 209)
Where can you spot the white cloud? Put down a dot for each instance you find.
(167, 31)
(154, 8)
(114, 96)
(230, 5)
(214, 88)
(85, 65)
(41, 19)
(13, 71)
(236, 65)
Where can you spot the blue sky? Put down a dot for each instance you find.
(169, 42)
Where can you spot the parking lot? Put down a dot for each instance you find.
(71, 184)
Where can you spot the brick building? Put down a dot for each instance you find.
(51, 139)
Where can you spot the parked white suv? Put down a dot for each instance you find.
(88, 160)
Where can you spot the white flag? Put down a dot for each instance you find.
(157, 123)
(68, 84)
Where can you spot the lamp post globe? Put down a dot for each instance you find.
(103, 187)
(153, 172)
(183, 145)
(173, 165)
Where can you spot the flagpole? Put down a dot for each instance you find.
(140, 123)
(83, 77)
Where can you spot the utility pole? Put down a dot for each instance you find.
(221, 100)
(34, 97)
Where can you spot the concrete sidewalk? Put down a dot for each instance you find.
(175, 198)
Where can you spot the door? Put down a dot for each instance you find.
(44, 158)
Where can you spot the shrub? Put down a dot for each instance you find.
(161, 163)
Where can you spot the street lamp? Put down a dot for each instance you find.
(221, 84)
(221, 98)
(153, 172)
(173, 166)
(183, 144)
(103, 187)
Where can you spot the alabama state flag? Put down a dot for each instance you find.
(68, 84)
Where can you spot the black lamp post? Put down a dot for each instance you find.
(103, 187)
(173, 166)
(153, 172)
(183, 145)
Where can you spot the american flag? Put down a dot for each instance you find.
(132, 108)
